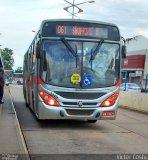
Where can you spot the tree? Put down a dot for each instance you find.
(8, 60)
(19, 70)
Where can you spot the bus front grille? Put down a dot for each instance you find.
(76, 103)
(80, 95)
(79, 112)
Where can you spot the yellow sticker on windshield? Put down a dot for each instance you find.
(75, 78)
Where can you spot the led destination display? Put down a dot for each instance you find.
(73, 29)
(81, 31)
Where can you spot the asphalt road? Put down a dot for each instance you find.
(128, 134)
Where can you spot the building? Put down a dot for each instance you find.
(135, 65)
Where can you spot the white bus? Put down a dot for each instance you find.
(72, 70)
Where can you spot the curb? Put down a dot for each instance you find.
(133, 109)
(19, 129)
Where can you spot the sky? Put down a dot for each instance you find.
(18, 18)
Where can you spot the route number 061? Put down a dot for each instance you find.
(61, 30)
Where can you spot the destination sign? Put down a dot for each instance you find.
(81, 31)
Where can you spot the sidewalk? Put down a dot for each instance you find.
(11, 139)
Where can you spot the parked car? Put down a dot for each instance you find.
(18, 81)
(130, 87)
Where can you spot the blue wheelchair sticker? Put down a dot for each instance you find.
(87, 80)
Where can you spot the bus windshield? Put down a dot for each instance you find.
(88, 68)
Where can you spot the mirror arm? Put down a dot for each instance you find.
(123, 48)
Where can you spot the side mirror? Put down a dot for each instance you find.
(38, 50)
(123, 51)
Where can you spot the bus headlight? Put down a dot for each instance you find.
(48, 99)
(110, 100)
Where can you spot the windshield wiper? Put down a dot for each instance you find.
(94, 53)
(69, 47)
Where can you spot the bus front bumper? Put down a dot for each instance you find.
(99, 113)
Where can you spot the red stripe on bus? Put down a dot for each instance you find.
(40, 81)
(118, 83)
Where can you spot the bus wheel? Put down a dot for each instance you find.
(27, 105)
(27, 102)
(91, 121)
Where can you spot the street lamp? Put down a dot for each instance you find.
(73, 5)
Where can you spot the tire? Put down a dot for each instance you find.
(19, 82)
(27, 105)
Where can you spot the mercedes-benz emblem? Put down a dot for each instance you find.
(80, 103)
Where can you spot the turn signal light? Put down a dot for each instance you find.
(110, 100)
(48, 99)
